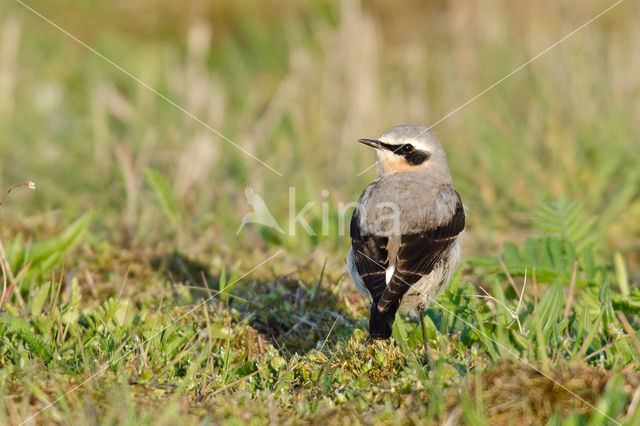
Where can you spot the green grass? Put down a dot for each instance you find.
(125, 294)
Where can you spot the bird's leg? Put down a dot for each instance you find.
(424, 334)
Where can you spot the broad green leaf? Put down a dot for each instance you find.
(40, 297)
(163, 193)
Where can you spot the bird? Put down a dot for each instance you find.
(260, 214)
(406, 228)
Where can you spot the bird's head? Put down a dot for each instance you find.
(408, 148)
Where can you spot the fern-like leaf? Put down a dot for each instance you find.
(567, 220)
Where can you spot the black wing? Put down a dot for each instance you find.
(417, 255)
(371, 258)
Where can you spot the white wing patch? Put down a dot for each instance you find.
(389, 274)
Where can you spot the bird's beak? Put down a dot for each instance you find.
(371, 142)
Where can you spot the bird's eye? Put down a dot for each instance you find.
(407, 147)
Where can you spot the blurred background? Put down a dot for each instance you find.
(296, 84)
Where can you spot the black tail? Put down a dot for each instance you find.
(380, 323)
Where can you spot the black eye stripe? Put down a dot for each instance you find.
(416, 157)
(412, 155)
(398, 149)
(390, 147)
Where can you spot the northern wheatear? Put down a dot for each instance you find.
(406, 228)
